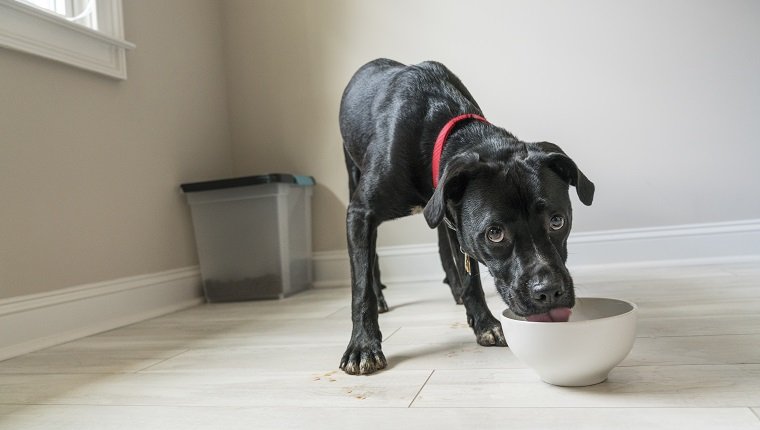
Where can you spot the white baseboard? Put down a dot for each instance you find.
(37, 321)
(682, 244)
(407, 263)
(33, 322)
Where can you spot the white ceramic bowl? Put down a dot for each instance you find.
(580, 352)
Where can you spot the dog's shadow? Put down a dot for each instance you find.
(403, 305)
(421, 352)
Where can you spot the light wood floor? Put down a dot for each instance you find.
(273, 365)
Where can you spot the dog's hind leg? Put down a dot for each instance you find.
(354, 174)
(447, 261)
(487, 328)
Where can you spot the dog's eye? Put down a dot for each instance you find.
(495, 234)
(557, 222)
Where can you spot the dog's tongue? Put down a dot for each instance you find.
(554, 315)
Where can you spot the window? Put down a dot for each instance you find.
(85, 33)
(83, 12)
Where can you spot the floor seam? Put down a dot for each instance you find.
(390, 335)
(755, 412)
(335, 312)
(421, 388)
(160, 362)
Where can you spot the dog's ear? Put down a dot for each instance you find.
(450, 187)
(566, 168)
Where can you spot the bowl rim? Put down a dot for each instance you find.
(634, 309)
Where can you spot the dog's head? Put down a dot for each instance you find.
(512, 213)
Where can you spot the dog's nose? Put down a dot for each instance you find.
(546, 293)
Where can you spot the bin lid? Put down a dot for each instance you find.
(245, 181)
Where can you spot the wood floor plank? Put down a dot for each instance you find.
(645, 386)
(79, 417)
(273, 364)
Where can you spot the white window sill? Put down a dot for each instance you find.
(30, 30)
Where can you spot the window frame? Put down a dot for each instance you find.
(35, 31)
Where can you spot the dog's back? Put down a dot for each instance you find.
(388, 101)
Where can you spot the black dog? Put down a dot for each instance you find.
(494, 199)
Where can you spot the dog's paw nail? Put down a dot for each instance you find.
(363, 361)
(486, 339)
(349, 368)
(492, 337)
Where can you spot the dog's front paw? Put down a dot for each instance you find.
(491, 336)
(362, 360)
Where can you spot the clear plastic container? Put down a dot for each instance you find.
(253, 235)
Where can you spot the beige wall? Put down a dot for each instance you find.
(657, 101)
(283, 101)
(90, 166)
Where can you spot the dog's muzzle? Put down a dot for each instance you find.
(540, 301)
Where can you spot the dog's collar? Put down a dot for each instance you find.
(440, 141)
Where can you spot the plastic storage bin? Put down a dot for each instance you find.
(253, 235)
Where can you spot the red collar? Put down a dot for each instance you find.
(441, 140)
